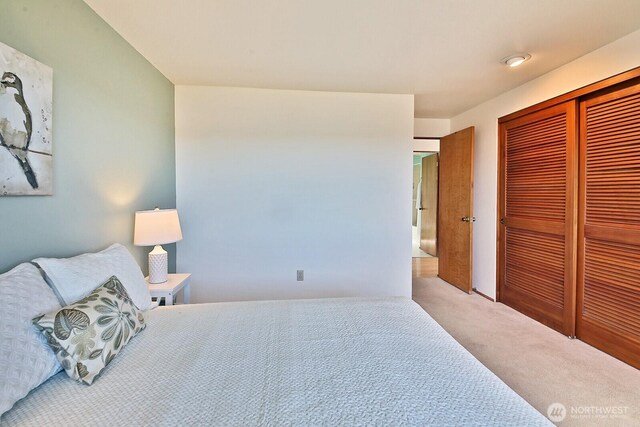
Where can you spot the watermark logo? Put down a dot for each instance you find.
(556, 412)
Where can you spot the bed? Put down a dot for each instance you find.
(348, 361)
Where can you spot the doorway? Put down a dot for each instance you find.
(425, 204)
(425, 214)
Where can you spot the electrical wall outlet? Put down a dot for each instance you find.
(300, 276)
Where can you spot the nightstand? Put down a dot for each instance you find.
(169, 289)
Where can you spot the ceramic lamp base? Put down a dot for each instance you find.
(158, 265)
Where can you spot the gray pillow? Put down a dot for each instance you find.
(88, 334)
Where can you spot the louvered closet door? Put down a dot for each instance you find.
(538, 210)
(609, 232)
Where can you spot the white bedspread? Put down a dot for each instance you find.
(307, 362)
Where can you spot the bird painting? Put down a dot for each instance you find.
(16, 125)
(26, 104)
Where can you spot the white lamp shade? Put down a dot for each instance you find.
(156, 227)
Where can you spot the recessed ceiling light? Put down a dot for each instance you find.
(516, 59)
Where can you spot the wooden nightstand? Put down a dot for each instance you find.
(169, 289)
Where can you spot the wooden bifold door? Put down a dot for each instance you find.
(569, 206)
(538, 215)
(609, 233)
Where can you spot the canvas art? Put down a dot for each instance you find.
(26, 155)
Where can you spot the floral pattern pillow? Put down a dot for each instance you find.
(87, 335)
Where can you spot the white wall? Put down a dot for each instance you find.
(609, 60)
(269, 182)
(426, 145)
(434, 128)
(429, 128)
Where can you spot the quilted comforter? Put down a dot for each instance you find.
(348, 362)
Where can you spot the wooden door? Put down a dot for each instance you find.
(417, 170)
(429, 205)
(455, 219)
(538, 215)
(609, 225)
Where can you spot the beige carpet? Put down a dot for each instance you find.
(541, 365)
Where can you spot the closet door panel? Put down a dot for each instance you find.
(535, 266)
(609, 234)
(538, 179)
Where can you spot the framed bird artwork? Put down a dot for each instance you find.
(26, 154)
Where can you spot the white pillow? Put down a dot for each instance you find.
(26, 361)
(75, 278)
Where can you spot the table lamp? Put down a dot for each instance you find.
(155, 228)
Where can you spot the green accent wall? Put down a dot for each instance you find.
(113, 136)
(417, 158)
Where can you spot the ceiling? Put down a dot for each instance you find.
(446, 52)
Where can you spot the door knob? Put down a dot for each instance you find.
(467, 219)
